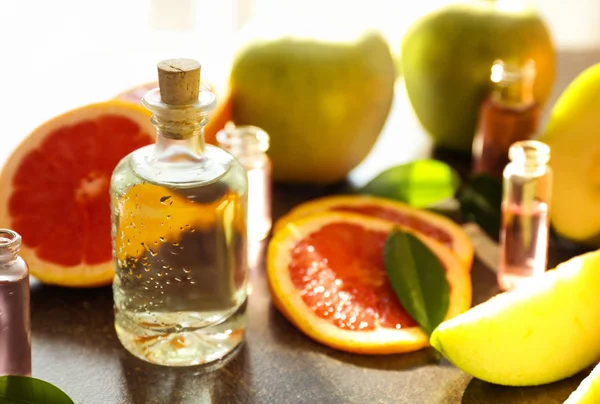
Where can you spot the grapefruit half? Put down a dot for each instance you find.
(431, 224)
(327, 277)
(56, 190)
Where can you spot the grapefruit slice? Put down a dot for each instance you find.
(327, 277)
(433, 225)
(56, 190)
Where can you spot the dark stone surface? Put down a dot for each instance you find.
(75, 347)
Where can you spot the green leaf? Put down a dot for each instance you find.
(481, 202)
(419, 183)
(418, 278)
(28, 390)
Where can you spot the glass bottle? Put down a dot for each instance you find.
(15, 322)
(249, 145)
(179, 232)
(524, 235)
(509, 114)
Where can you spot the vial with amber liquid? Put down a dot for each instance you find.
(524, 236)
(179, 212)
(509, 114)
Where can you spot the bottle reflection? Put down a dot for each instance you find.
(226, 380)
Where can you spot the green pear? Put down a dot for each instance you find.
(446, 58)
(588, 391)
(540, 333)
(573, 134)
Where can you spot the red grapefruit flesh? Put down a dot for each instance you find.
(326, 275)
(57, 190)
(351, 288)
(441, 229)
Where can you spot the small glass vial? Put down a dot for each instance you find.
(508, 115)
(249, 145)
(524, 235)
(179, 211)
(15, 322)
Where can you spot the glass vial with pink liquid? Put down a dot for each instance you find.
(527, 191)
(249, 145)
(15, 323)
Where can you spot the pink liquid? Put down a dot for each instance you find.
(523, 244)
(15, 338)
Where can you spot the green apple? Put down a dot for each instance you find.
(323, 99)
(541, 333)
(588, 391)
(573, 134)
(446, 58)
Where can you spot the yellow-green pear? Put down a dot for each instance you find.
(323, 95)
(536, 334)
(588, 391)
(573, 134)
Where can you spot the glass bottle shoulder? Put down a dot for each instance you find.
(13, 270)
(215, 167)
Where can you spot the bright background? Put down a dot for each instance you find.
(61, 54)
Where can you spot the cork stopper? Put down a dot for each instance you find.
(179, 81)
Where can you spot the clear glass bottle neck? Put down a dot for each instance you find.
(244, 142)
(10, 245)
(170, 149)
(180, 129)
(529, 158)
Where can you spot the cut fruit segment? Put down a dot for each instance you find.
(326, 275)
(433, 225)
(56, 190)
(588, 392)
(536, 334)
